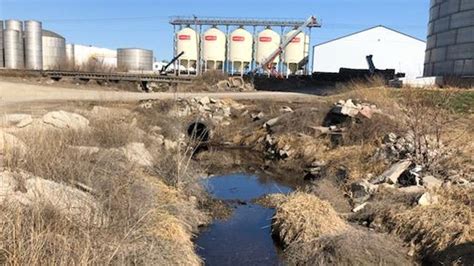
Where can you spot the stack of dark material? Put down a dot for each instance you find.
(349, 74)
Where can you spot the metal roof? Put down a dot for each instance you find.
(371, 28)
(240, 22)
(48, 33)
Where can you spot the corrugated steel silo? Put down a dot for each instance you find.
(54, 50)
(33, 45)
(450, 46)
(240, 50)
(12, 24)
(71, 62)
(13, 48)
(267, 42)
(2, 58)
(134, 59)
(297, 51)
(187, 41)
(213, 49)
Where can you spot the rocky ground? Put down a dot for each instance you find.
(383, 177)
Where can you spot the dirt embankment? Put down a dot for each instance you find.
(395, 162)
(392, 161)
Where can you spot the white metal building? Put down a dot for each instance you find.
(83, 53)
(391, 49)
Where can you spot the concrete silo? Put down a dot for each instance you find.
(33, 45)
(296, 53)
(54, 50)
(267, 42)
(213, 49)
(134, 59)
(2, 59)
(187, 41)
(450, 46)
(13, 47)
(240, 50)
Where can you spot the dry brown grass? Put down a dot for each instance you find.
(304, 217)
(148, 221)
(430, 228)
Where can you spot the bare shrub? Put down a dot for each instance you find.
(96, 65)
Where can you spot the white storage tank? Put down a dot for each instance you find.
(70, 56)
(187, 42)
(213, 49)
(267, 42)
(134, 59)
(240, 50)
(33, 45)
(13, 47)
(297, 51)
(54, 51)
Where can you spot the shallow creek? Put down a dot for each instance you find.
(245, 238)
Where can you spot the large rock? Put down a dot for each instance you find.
(362, 190)
(65, 120)
(427, 199)
(137, 153)
(18, 120)
(393, 173)
(27, 190)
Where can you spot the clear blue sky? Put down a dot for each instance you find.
(144, 23)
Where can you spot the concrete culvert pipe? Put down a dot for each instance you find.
(198, 131)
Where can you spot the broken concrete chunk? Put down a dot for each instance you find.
(431, 182)
(18, 120)
(393, 173)
(427, 199)
(271, 122)
(65, 120)
(362, 190)
(137, 153)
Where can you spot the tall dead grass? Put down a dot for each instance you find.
(148, 221)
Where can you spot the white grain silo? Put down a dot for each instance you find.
(13, 47)
(213, 49)
(33, 45)
(296, 53)
(450, 46)
(187, 41)
(240, 50)
(268, 41)
(54, 51)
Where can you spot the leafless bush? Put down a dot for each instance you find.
(96, 65)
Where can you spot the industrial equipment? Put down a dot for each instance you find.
(163, 70)
(267, 64)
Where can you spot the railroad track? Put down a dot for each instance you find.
(137, 77)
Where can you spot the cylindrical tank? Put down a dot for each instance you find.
(187, 41)
(13, 50)
(213, 49)
(12, 24)
(297, 51)
(267, 42)
(54, 50)
(71, 62)
(240, 49)
(450, 45)
(134, 59)
(33, 45)
(2, 59)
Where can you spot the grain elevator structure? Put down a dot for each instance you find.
(238, 46)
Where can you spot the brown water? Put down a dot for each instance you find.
(245, 238)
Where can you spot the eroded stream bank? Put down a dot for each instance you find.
(245, 238)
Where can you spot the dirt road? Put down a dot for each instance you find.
(13, 92)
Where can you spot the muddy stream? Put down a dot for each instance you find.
(244, 238)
